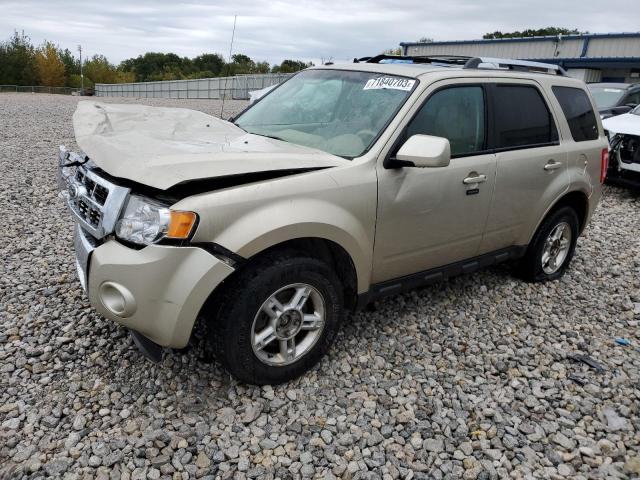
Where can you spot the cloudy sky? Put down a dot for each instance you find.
(301, 29)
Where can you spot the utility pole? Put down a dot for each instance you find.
(224, 93)
(81, 75)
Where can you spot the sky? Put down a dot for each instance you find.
(298, 29)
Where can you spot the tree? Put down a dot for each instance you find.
(99, 70)
(393, 51)
(240, 64)
(71, 65)
(540, 32)
(209, 62)
(291, 66)
(425, 40)
(158, 66)
(262, 67)
(18, 61)
(50, 67)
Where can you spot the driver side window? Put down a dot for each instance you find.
(457, 114)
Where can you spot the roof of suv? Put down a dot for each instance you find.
(416, 70)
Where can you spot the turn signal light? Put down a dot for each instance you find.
(181, 224)
(604, 164)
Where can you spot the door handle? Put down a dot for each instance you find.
(475, 179)
(552, 165)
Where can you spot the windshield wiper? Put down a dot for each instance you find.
(269, 136)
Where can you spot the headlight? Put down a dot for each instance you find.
(145, 222)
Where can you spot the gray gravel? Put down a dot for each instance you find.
(468, 379)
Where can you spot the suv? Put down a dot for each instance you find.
(344, 184)
(615, 98)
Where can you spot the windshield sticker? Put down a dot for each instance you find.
(394, 83)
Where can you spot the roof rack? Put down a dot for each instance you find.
(435, 59)
(518, 65)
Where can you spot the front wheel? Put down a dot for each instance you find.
(552, 247)
(277, 318)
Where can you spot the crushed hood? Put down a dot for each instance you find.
(162, 147)
(626, 124)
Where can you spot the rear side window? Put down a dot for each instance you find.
(521, 118)
(455, 113)
(577, 109)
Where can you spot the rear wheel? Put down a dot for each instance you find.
(551, 250)
(276, 318)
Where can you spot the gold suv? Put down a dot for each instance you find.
(343, 184)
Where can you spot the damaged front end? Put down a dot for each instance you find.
(624, 163)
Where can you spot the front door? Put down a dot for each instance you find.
(429, 217)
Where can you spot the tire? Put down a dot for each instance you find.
(532, 266)
(240, 308)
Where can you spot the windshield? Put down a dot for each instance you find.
(339, 112)
(606, 97)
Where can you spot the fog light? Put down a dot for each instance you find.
(117, 299)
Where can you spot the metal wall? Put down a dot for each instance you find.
(587, 46)
(587, 75)
(237, 87)
(614, 47)
(501, 49)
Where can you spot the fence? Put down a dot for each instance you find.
(236, 88)
(38, 89)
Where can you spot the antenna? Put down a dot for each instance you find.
(224, 92)
(81, 76)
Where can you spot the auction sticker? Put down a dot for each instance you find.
(394, 83)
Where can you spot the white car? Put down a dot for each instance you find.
(624, 140)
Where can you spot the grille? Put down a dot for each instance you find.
(97, 192)
(89, 214)
(94, 201)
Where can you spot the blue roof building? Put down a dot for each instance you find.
(598, 57)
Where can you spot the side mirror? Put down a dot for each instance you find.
(423, 151)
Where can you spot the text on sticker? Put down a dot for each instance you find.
(394, 83)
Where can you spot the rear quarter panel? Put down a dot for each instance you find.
(584, 158)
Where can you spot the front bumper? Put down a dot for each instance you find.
(157, 291)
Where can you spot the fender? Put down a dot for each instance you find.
(327, 222)
(335, 204)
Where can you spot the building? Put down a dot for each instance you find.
(601, 57)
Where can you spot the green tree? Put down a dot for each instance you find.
(539, 32)
(71, 65)
(240, 64)
(291, 66)
(209, 62)
(18, 61)
(158, 66)
(99, 70)
(262, 67)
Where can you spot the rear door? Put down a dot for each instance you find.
(532, 166)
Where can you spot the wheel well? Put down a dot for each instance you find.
(579, 202)
(327, 251)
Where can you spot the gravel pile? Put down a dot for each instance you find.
(473, 378)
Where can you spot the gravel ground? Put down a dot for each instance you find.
(472, 378)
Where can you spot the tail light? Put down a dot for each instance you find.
(604, 164)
